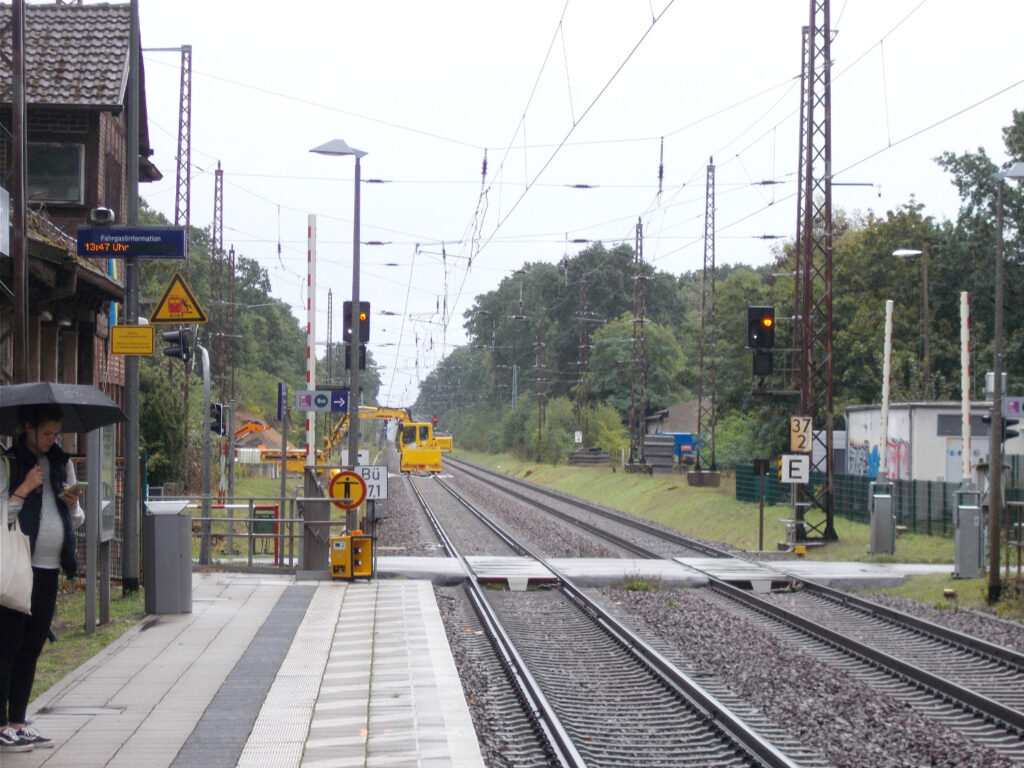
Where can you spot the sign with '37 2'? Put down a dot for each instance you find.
(800, 434)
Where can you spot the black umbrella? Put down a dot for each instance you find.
(85, 408)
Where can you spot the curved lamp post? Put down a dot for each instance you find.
(995, 461)
(339, 147)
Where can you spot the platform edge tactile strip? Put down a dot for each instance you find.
(278, 736)
(239, 697)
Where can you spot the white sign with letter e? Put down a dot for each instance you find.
(796, 468)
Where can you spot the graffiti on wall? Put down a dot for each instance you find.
(864, 459)
(899, 459)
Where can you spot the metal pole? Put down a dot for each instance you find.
(995, 460)
(19, 184)
(231, 449)
(760, 514)
(205, 556)
(353, 394)
(965, 391)
(284, 447)
(130, 507)
(883, 466)
(310, 335)
(926, 321)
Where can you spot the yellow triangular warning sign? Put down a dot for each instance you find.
(178, 304)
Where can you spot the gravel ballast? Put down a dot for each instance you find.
(851, 722)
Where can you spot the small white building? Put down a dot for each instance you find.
(924, 440)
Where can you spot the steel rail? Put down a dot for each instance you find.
(681, 684)
(620, 517)
(946, 634)
(1012, 719)
(971, 701)
(540, 709)
(975, 645)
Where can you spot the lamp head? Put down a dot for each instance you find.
(904, 252)
(337, 147)
(1015, 171)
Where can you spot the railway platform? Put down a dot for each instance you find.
(267, 671)
(302, 672)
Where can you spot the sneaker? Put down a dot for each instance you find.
(31, 736)
(9, 742)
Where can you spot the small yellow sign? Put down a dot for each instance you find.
(178, 304)
(132, 340)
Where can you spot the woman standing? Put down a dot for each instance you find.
(48, 511)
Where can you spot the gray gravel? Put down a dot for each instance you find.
(853, 724)
(850, 722)
(403, 530)
(1009, 634)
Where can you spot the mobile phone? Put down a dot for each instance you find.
(79, 486)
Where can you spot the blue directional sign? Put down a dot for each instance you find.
(339, 401)
(121, 242)
(322, 401)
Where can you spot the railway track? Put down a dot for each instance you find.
(967, 684)
(602, 696)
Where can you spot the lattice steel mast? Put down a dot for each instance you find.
(638, 395)
(217, 287)
(706, 387)
(582, 363)
(816, 265)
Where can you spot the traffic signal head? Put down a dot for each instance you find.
(434, 420)
(180, 342)
(362, 357)
(364, 321)
(1007, 432)
(760, 327)
(217, 425)
(1006, 423)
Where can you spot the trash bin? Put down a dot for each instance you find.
(264, 529)
(167, 557)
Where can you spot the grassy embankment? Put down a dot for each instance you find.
(716, 515)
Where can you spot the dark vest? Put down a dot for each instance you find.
(22, 460)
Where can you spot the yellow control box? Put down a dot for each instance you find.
(351, 556)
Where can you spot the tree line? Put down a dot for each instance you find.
(551, 349)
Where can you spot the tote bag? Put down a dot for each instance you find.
(15, 556)
(15, 568)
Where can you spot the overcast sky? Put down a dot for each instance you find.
(554, 94)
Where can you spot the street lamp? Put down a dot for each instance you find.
(995, 484)
(925, 316)
(339, 147)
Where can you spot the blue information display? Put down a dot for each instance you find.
(121, 242)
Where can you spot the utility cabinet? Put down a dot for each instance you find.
(351, 556)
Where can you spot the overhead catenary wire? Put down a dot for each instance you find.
(457, 293)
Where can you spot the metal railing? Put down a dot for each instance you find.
(255, 533)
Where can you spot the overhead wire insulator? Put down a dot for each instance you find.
(661, 167)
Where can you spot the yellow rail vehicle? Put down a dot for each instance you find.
(418, 448)
(415, 441)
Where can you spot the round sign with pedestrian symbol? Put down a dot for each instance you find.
(348, 489)
(321, 400)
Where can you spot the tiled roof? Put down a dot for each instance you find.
(74, 54)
